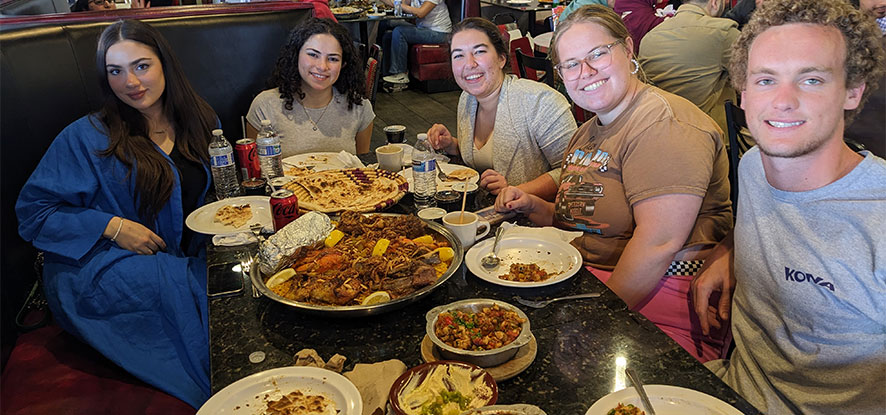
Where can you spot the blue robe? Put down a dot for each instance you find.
(146, 313)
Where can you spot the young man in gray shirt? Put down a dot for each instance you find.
(807, 258)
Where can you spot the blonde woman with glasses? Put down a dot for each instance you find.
(645, 180)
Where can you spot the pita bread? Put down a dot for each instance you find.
(461, 175)
(234, 215)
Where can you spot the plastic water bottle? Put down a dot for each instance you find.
(270, 155)
(224, 170)
(424, 173)
(398, 11)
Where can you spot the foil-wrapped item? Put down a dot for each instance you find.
(308, 229)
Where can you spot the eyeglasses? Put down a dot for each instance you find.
(599, 58)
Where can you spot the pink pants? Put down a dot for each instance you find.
(669, 307)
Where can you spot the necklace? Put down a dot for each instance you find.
(315, 127)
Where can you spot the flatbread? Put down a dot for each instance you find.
(234, 215)
(301, 403)
(296, 171)
(461, 175)
(334, 191)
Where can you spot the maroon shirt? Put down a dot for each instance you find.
(641, 18)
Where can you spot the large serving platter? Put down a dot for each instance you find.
(361, 310)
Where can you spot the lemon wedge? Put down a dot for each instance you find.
(380, 247)
(377, 297)
(280, 277)
(424, 240)
(333, 238)
(446, 253)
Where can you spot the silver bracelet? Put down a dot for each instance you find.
(116, 234)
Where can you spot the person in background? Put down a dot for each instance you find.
(317, 97)
(512, 130)
(868, 128)
(688, 55)
(97, 5)
(639, 16)
(107, 204)
(576, 4)
(807, 259)
(742, 11)
(645, 180)
(432, 25)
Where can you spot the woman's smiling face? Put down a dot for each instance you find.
(135, 74)
(602, 89)
(475, 64)
(320, 62)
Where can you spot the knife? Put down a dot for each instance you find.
(638, 385)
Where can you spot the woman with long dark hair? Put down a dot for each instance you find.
(107, 205)
(317, 97)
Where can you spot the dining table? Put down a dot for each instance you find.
(519, 7)
(583, 345)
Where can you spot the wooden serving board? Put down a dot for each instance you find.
(521, 361)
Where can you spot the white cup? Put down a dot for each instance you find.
(390, 157)
(466, 229)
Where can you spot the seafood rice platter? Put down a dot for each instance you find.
(355, 264)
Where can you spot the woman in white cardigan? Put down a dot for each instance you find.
(512, 130)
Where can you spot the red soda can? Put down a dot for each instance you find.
(247, 156)
(284, 206)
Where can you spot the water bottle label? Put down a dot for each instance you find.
(267, 151)
(223, 160)
(426, 166)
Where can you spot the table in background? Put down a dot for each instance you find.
(579, 342)
(528, 8)
(363, 27)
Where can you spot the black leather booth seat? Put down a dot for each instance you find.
(48, 79)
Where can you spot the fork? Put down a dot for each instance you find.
(544, 303)
(443, 176)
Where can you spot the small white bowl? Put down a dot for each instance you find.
(431, 213)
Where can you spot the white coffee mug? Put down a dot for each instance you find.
(390, 157)
(465, 228)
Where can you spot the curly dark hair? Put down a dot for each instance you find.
(287, 79)
(864, 54)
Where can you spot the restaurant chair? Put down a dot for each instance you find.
(535, 68)
(740, 141)
(429, 62)
(373, 74)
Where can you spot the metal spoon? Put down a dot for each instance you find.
(491, 260)
(638, 384)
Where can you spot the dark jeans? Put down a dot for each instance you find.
(396, 43)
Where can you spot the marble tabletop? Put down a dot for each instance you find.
(582, 344)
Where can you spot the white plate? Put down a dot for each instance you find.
(519, 1)
(447, 168)
(203, 219)
(378, 15)
(549, 255)
(247, 396)
(667, 400)
(320, 161)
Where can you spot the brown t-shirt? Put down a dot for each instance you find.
(661, 144)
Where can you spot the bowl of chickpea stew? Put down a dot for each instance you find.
(480, 331)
